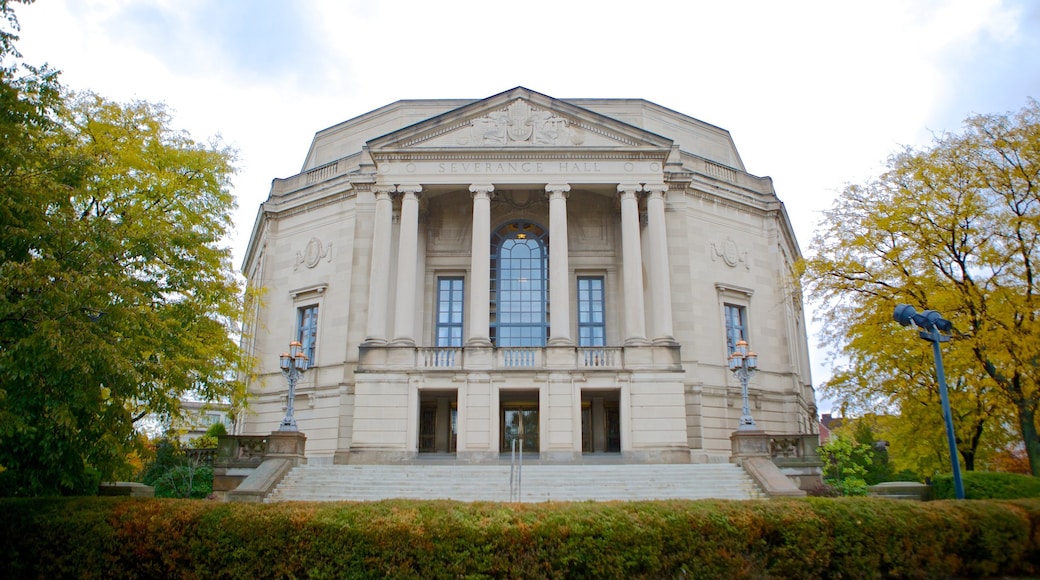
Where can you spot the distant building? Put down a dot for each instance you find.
(197, 417)
(569, 274)
(827, 424)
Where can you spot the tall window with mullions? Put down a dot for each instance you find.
(519, 290)
(449, 311)
(736, 326)
(307, 334)
(592, 328)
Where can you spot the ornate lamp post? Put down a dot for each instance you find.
(932, 325)
(744, 364)
(293, 364)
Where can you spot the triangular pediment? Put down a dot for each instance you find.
(519, 118)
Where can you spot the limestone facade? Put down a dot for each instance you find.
(568, 274)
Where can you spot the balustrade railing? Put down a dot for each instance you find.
(240, 450)
(599, 357)
(202, 456)
(504, 358)
(440, 358)
(520, 356)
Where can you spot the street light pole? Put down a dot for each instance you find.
(293, 364)
(931, 323)
(744, 364)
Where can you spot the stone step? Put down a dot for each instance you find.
(538, 482)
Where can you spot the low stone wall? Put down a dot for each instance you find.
(911, 490)
(794, 456)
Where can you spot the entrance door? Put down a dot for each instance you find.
(520, 423)
(428, 428)
(438, 421)
(600, 421)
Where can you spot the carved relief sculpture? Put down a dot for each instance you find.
(519, 124)
(730, 253)
(312, 254)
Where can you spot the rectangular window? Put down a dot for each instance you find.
(307, 330)
(736, 326)
(592, 328)
(449, 311)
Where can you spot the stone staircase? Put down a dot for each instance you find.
(538, 482)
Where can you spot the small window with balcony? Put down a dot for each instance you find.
(449, 311)
(592, 329)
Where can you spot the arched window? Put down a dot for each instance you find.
(519, 287)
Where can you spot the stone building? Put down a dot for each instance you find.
(569, 274)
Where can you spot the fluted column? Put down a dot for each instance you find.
(407, 254)
(559, 279)
(378, 296)
(660, 278)
(480, 266)
(632, 266)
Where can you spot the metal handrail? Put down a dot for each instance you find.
(516, 470)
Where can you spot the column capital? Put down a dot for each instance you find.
(554, 189)
(383, 191)
(655, 189)
(413, 189)
(478, 189)
(629, 189)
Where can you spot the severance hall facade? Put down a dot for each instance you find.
(569, 274)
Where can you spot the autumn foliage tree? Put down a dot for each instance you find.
(954, 227)
(117, 295)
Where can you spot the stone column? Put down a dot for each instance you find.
(480, 266)
(407, 254)
(660, 278)
(378, 294)
(632, 266)
(559, 269)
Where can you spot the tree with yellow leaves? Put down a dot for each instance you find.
(954, 227)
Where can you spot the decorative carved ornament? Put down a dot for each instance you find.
(521, 124)
(522, 198)
(313, 253)
(730, 253)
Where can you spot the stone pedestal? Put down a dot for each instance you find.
(287, 445)
(750, 444)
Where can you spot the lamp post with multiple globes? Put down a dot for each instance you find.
(744, 363)
(293, 364)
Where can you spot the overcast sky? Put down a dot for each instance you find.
(815, 94)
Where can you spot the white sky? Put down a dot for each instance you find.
(815, 94)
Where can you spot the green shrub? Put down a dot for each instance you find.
(175, 474)
(988, 485)
(809, 538)
(216, 430)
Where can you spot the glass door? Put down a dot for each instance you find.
(520, 422)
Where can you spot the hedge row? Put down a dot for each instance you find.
(807, 538)
(987, 485)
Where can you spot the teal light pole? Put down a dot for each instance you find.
(932, 325)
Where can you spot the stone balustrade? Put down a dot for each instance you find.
(240, 450)
(380, 358)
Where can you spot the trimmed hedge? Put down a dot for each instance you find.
(988, 485)
(798, 538)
